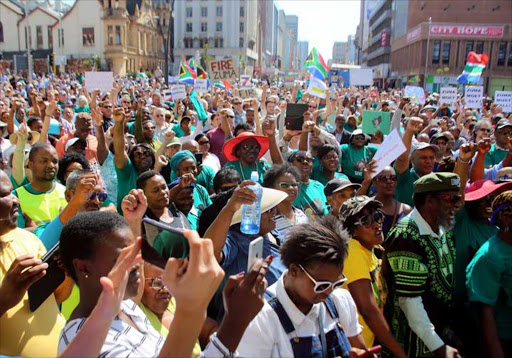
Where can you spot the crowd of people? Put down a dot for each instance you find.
(411, 261)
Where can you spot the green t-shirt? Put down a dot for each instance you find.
(311, 199)
(353, 161)
(495, 156)
(469, 236)
(489, 280)
(320, 177)
(179, 132)
(245, 172)
(126, 181)
(201, 201)
(82, 109)
(405, 186)
(205, 178)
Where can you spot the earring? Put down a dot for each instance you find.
(86, 276)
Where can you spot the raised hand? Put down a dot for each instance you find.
(268, 126)
(119, 115)
(134, 205)
(484, 146)
(161, 162)
(50, 109)
(187, 180)
(97, 117)
(85, 188)
(169, 135)
(467, 151)
(242, 195)
(414, 124)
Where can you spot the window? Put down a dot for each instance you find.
(502, 53)
(189, 12)
(436, 51)
(118, 35)
(241, 42)
(39, 36)
(203, 43)
(479, 47)
(61, 38)
(204, 26)
(219, 10)
(50, 36)
(1, 32)
(510, 54)
(204, 11)
(188, 27)
(446, 53)
(88, 36)
(219, 43)
(242, 11)
(111, 35)
(469, 48)
(241, 27)
(218, 26)
(188, 43)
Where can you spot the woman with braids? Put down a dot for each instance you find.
(489, 282)
(305, 313)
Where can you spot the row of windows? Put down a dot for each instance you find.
(441, 52)
(204, 11)
(217, 43)
(204, 27)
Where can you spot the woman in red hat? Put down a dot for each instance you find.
(244, 152)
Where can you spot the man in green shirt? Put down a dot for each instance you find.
(355, 156)
(499, 149)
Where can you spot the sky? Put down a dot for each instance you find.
(323, 22)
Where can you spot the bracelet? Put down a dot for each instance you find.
(463, 162)
(220, 346)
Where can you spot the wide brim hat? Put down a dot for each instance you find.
(229, 147)
(428, 108)
(483, 187)
(269, 199)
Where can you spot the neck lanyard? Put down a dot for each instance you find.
(242, 170)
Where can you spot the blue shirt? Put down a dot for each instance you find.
(51, 234)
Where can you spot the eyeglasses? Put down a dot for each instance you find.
(504, 132)
(235, 103)
(385, 179)
(102, 196)
(141, 154)
(248, 147)
(367, 221)
(107, 107)
(305, 160)
(488, 130)
(230, 116)
(322, 286)
(287, 185)
(311, 106)
(204, 142)
(156, 283)
(452, 199)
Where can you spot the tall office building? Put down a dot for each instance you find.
(339, 52)
(292, 27)
(303, 49)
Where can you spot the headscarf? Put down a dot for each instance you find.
(177, 159)
(501, 206)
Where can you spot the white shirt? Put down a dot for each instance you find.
(266, 337)
(122, 340)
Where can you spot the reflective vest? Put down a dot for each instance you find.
(44, 207)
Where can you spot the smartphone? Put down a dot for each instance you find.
(199, 158)
(295, 116)
(370, 352)
(46, 285)
(255, 252)
(162, 241)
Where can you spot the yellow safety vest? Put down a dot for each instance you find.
(44, 207)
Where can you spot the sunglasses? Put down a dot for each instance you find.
(367, 221)
(311, 106)
(248, 147)
(141, 154)
(322, 286)
(385, 179)
(452, 199)
(156, 283)
(287, 185)
(107, 107)
(101, 196)
(230, 116)
(235, 103)
(304, 160)
(488, 130)
(223, 189)
(504, 132)
(204, 142)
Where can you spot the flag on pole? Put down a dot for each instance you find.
(315, 65)
(475, 65)
(187, 74)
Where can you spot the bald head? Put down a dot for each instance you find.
(191, 145)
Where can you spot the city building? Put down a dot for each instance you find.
(267, 36)
(224, 28)
(282, 39)
(292, 28)
(434, 54)
(11, 12)
(303, 49)
(379, 45)
(351, 50)
(339, 52)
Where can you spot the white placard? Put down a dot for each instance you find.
(389, 150)
(167, 94)
(504, 99)
(448, 95)
(417, 94)
(473, 96)
(102, 80)
(201, 85)
(178, 92)
(361, 77)
(316, 87)
(245, 82)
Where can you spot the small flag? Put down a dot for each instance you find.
(315, 65)
(224, 84)
(187, 74)
(198, 106)
(475, 65)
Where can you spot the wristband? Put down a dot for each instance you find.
(463, 162)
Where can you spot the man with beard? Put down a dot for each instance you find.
(419, 269)
(42, 199)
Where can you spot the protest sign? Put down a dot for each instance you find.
(245, 82)
(178, 92)
(101, 80)
(167, 94)
(448, 95)
(316, 87)
(389, 150)
(289, 81)
(417, 94)
(473, 96)
(374, 121)
(225, 69)
(247, 93)
(201, 85)
(504, 99)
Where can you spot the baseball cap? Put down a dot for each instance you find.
(174, 141)
(354, 205)
(422, 145)
(502, 123)
(74, 141)
(434, 182)
(337, 184)
(437, 136)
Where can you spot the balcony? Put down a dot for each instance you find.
(377, 9)
(383, 17)
(379, 52)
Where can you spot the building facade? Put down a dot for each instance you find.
(292, 28)
(378, 50)
(303, 49)
(339, 52)
(434, 54)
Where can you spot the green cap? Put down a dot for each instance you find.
(174, 141)
(437, 182)
(354, 205)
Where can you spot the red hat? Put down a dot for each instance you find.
(483, 187)
(229, 147)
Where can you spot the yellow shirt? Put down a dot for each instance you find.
(362, 264)
(22, 332)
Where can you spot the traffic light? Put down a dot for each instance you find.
(51, 61)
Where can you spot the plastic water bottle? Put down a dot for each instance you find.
(251, 214)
